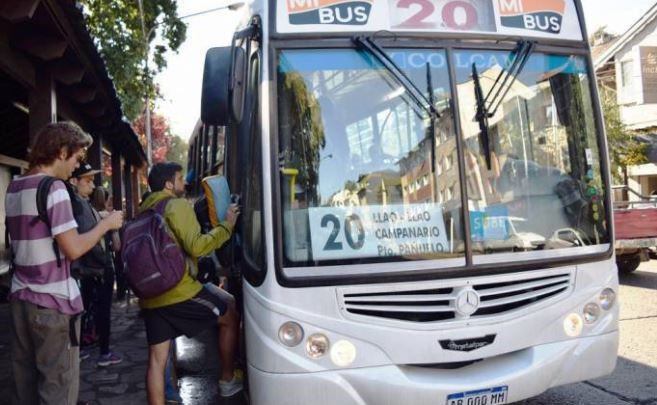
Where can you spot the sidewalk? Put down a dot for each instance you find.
(119, 384)
(124, 383)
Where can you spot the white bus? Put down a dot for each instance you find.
(426, 200)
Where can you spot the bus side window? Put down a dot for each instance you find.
(238, 77)
(252, 220)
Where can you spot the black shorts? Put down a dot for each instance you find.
(187, 318)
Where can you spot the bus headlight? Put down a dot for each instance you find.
(343, 353)
(607, 299)
(573, 325)
(317, 345)
(591, 312)
(290, 334)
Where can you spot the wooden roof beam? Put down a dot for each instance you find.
(39, 44)
(83, 94)
(67, 72)
(95, 110)
(16, 64)
(69, 111)
(104, 121)
(18, 10)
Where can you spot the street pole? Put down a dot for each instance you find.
(147, 118)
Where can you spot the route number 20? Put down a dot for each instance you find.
(456, 15)
(350, 222)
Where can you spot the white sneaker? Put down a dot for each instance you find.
(230, 388)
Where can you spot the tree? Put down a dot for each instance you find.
(160, 133)
(601, 36)
(177, 151)
(624, 149)
(116, 27)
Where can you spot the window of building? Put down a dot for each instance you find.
(627, 68)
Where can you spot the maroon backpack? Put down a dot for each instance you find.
(153, 261)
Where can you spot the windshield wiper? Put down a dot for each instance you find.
(372, 48)
(434, 118)
(487, 106)
(482, 116)
(497, 94)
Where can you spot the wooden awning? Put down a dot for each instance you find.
(47, 52)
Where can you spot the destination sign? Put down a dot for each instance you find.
(377, 231)
(527, 18)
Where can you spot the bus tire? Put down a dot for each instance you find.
(628, 263)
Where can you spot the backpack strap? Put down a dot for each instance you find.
(161, 206)
(43, 189)
(8, 246)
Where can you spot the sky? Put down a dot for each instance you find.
(180, 82)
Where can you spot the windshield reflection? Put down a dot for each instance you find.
(544, 171)
(355, 144)
(367, 174)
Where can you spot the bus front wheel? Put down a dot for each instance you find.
(628, 263)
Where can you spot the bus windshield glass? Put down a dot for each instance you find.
(534, 182)
(368, 174)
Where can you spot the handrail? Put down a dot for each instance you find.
(634, 192)
(631, 204)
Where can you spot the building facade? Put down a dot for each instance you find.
(627, 66)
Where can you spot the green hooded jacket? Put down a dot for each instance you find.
(184, 226)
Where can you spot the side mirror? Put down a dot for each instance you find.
(215, 93)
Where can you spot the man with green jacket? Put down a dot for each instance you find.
(188, 308)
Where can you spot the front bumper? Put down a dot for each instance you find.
(527, 373)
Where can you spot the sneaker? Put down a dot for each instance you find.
(108, 359)
(230, 388)
(84, 354)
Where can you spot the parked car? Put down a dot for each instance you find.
(635, 225)
(516, 238)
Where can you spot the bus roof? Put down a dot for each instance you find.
(539, 19)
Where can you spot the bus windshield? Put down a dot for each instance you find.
(542, 172)
(368, 175)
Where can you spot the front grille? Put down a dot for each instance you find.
(504, 297)
(439, 303)
(413, 305)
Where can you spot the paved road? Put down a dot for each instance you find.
(635, 378)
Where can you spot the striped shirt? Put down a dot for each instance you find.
(37, 278)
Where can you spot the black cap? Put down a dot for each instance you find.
(85, 169)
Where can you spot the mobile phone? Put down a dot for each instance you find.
(235, 199)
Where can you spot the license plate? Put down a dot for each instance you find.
(488, 396)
